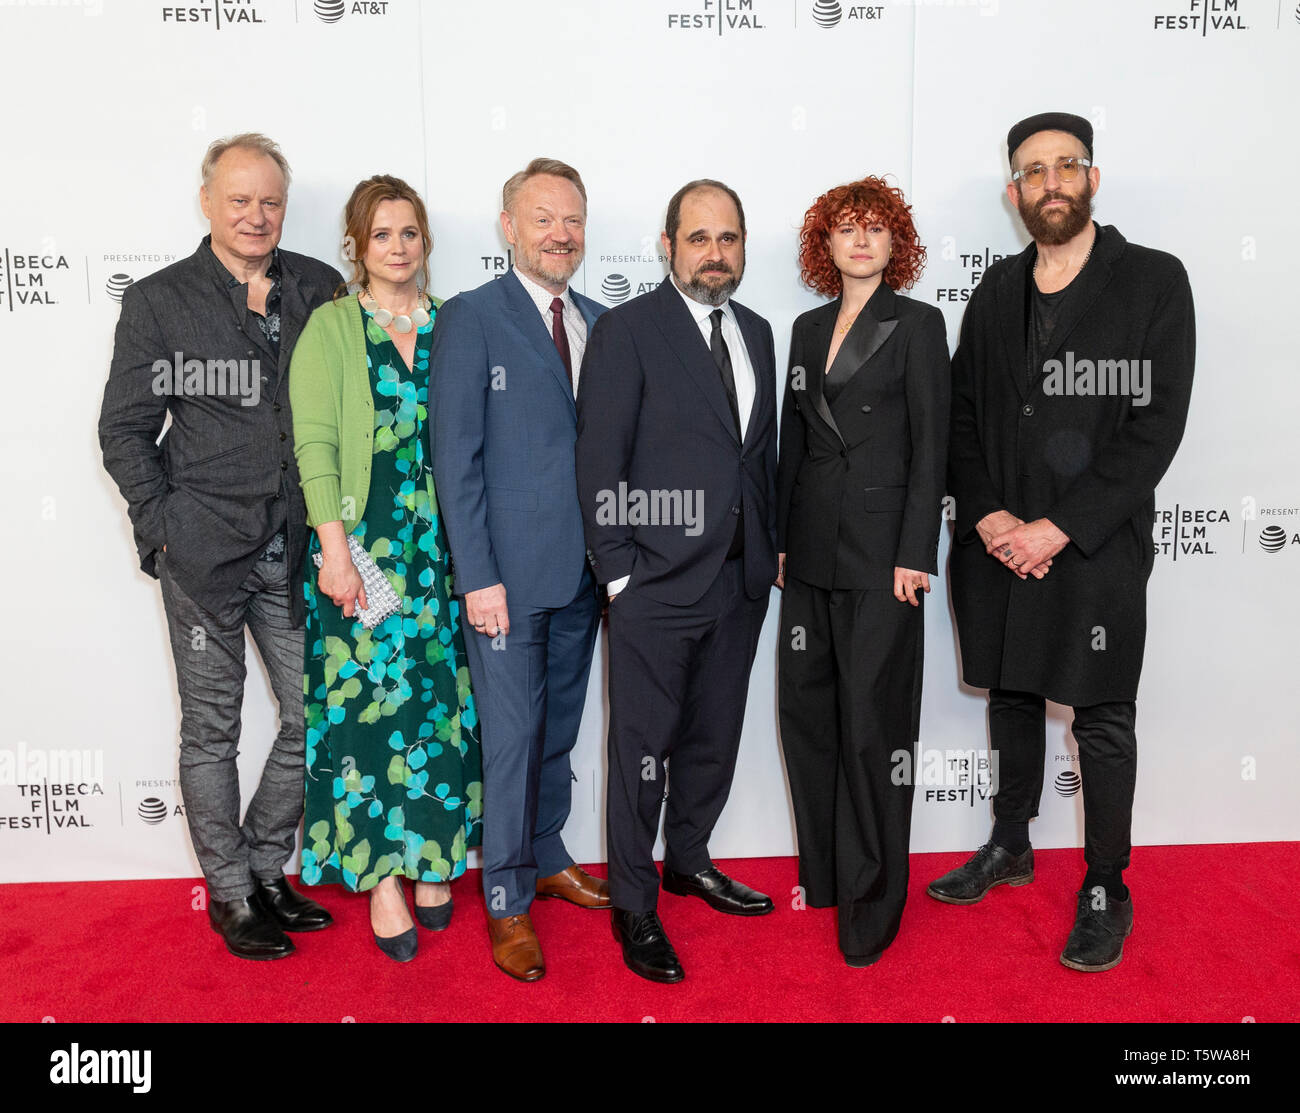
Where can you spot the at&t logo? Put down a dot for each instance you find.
(1273, 539)
(153, 811)
(331, 11)
(829, 13)
(117, 284)
(615, 288)
(1067, 783)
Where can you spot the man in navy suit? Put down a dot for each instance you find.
(504, 371)
(677, 482)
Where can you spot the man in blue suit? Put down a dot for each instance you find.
(504, 371)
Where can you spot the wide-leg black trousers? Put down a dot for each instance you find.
(849, 695)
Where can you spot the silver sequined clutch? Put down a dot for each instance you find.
(383, 600)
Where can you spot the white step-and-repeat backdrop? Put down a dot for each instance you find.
(110, 105)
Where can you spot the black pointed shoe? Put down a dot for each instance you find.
(288, 907)
(1101, 924)
(400, 948)
(719, 891)
(248, 929)
(990, 865)
(646, 950)
(434, 917)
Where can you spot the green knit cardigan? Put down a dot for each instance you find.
(333, 413)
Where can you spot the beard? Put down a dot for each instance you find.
(1057, 226)
(552, 268)
(712, 283)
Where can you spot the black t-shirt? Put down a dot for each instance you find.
(1044, 312)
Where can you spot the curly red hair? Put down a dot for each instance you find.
(868, 200)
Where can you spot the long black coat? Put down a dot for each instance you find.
(1087, 462)
(860, 479)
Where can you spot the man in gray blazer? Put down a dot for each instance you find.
(219, 519)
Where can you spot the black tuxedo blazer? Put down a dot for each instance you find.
(861, 479)
(653, 415)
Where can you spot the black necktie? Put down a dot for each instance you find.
(722, 358)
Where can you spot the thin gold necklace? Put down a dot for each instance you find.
(845, 328)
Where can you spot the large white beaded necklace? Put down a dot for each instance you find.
(401, 322)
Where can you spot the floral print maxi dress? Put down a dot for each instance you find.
(394, 782)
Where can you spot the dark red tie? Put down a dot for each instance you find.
(561, 337)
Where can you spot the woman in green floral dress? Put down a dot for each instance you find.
(394, 787)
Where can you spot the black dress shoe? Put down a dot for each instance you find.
(289, 908)
(400, 948)
(248, 929)
(990, 865)
(435, 917)
(646, 950)
(718, 891)
(1101, 924)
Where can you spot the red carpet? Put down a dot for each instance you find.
(1214, 939)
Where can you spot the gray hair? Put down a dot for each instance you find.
(246, 141)
(552, 166)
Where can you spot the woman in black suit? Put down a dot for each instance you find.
(859, 487)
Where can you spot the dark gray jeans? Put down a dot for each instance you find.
(209, 653)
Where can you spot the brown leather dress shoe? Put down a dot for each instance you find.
(515, 948)
(576, 886)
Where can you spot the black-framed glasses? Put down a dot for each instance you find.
(1067, 169)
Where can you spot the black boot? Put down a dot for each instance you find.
(289, 908)
(248, 929)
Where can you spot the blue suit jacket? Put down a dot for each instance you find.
(504, 425)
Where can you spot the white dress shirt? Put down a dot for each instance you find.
(741, 368)
(575, 325)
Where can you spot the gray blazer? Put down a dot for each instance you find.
(223, 481)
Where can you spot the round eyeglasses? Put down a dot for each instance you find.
(1067, 169)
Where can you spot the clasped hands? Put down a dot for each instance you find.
(1026, 548)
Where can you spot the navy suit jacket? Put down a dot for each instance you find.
(653, 414)
(504, 425)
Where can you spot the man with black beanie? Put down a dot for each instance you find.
(1071, 383)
